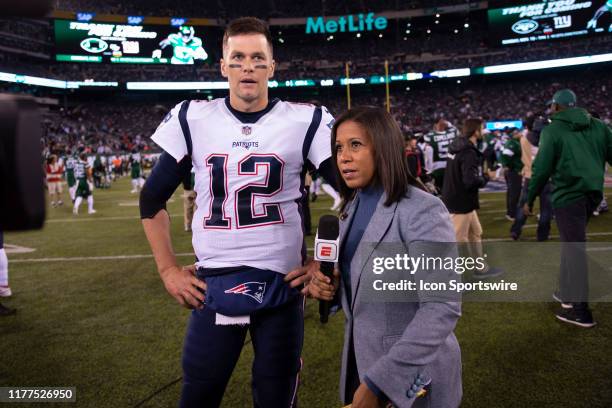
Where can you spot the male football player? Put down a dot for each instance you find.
(248, 154)
(84, 178)
(70, 163)
(136, 171)
(592, 24)
(185, 46)
(439, 139)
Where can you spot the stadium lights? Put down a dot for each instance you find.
(451, 73)
(456, 31)
(358, 35)
(437, 21)
(466, 25)
(563, 62)
(280, 40)
(437, 15)
(353, 81)
(428, 31)
(171, 86)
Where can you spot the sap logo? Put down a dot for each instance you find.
(246, 145)
(94, 45)
(255, 290)
(525, 26)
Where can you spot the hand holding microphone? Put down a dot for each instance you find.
(325, 281)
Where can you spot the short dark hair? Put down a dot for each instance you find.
(392, 171)
(471, 126)
(247, 25)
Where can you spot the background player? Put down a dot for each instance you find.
(249, 154)
(136, 171)
(439, 139)
(83, 175)
(71, 161)
(185, 47)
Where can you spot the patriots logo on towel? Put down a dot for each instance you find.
(253, 289)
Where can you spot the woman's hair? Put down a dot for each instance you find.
(391, 170)
(471, 126)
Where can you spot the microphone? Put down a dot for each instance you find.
(326, 252)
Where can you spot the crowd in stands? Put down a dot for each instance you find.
(121, 126)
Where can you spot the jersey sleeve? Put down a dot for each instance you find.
(320, 149)
(169, 135)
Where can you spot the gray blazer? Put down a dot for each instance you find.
(399, 345)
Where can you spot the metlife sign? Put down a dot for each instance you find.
(342, 24)
(548, 20)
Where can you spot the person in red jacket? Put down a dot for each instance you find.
(54, 172)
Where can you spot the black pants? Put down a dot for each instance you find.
(573, 279)
(546, 212)
(211, 352)
(513, 182)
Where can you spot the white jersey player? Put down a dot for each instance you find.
(249, 155)
(248, 181)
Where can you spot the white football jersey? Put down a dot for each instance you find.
(248, 179)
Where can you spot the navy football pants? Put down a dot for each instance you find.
(211, 352)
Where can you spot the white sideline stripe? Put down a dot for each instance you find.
(96, 258)
(136, 203)
(16, 249)
(87, 218)
(89, 258)
(592, 234)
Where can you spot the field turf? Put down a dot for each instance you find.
(93, 314)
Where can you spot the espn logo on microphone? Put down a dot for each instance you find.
(326, 250)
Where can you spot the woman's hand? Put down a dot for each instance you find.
(322, 287)
(365, 398)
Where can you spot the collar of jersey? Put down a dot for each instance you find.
(250, 117)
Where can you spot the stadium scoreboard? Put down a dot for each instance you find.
(524, 22)
(99, 42)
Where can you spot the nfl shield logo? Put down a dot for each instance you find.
(246, 130)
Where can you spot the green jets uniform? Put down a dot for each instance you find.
(439, 141)
(81, 170)
(70, 164)
(185, 52)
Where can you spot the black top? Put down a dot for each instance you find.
(463, 177)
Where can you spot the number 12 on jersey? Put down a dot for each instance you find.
(244, 202)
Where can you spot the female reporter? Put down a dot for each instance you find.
(401, 353)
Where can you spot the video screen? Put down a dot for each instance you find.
(548, 20)
(78, 41)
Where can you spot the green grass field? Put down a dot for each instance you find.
(93, 314)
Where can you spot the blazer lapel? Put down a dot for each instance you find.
(378, 225)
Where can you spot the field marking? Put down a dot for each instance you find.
(90, 258)
(136, 203)
(16, 249)
(98, 258)
(591, 234)
(78, 219)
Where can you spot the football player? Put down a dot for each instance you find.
(186, 47)
(439, 138)
(592, 24)
(54, 172)
(136, 171)
(84, 179)
(70, 163)
(249, 154)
